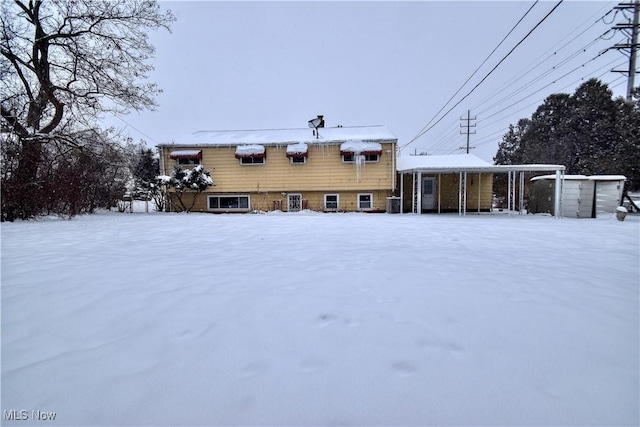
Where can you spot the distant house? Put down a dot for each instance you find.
(323, 169)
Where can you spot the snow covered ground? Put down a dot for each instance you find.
(321, 319)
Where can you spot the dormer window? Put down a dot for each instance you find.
(359, 151)
(297, 153)
(251, 154)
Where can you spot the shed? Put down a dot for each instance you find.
(582, 196)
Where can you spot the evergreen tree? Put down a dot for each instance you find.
(187, 182)
(144, 172)
(589, 132)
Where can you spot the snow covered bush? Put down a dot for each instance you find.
(186, 182)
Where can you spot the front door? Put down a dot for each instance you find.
(294, 202)
(428, 193)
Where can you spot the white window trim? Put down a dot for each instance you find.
(370, 201)
(264, 161)
(337, 202)
(247, 209)
(304, 162)
(364, 160)
(198, 162)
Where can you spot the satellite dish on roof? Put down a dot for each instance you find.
(315, 123)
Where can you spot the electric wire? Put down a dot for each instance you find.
(480, 66)
(555, 68)
(536, 63)
(487, 75)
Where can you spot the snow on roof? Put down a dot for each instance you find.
(359, 147)
(181, 154)
(463, 163)
(566, 177)
(297, 148)
(584, 177)
(284, 136)
(607, 178)
(455, 161)
(249, 150)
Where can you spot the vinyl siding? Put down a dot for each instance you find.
(323, 173)
(324, 170)
(314, 200)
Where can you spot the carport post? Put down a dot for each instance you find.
(401, 192)
(557, 195)
(521, 195)
(439, 188)
(419, 207)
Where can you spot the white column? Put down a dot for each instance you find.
(439, 192)
(401, 193)
(479, 190)
(413, 192)
(521, 195)
(419, 207)
(557, 195)
(464, 195)
(460, 194)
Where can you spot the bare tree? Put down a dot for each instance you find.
(64, 62)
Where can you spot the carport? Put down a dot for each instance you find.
(463, 165)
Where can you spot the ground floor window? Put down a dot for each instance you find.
(331, 201)
(365, 201)
(221, 202)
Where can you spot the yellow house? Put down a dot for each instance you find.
(322, 169)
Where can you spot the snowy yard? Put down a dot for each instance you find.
(321, 319)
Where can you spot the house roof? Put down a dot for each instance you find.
(334, 135)
(423, 163)
(462, 163)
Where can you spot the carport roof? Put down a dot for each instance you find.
(463, 163)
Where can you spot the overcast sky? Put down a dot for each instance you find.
(271, 65)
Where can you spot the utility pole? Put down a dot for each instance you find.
(468, 127)
(632, 29)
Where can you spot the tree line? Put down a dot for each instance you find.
(63, 65)
(590, 132)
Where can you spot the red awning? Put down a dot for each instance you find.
(360, 147)
(186, 154)
(250, 152)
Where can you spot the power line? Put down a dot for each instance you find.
(487, 75)
(554, 51)
(479, 66)
(133, 127)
